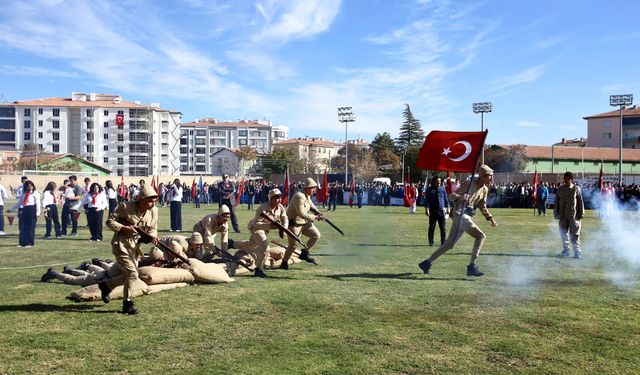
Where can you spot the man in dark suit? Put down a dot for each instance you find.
(228, 198)
(436, 208)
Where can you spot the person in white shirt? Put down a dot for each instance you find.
(112, 196)
(50, 208)
(96, 202)
(29, 208)
(175, 197)
(3, 198)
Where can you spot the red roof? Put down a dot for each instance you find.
(67, 102)
(577, 153)
(226, 124)
(625, 113)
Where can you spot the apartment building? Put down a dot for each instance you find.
(128, 138)
(603, 130)
(316, 153)
(202, 139)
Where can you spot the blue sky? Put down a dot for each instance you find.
(543, 64)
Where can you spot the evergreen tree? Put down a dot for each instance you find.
(411, 133)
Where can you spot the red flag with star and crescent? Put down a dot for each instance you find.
(451, 151)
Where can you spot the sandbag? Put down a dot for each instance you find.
(208, 272)
(92, 292)
(157, 275)
(162, 287)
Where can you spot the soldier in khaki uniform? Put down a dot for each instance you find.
(301, 221)
(213, 224)
(475, 198)
(189, 247)
(258, 245)
(125, 243)
(569, 210)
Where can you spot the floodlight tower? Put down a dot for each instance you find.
(345, 114)
(620, 101)
(482, 108)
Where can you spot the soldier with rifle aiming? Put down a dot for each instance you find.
(126, 240)
(188, 247)
(258, 245)
(301, 218)
(211, 225)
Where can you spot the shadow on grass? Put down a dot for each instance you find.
(42, 307)
(336, 255)
(387, 245)
(393, 276)
(511, 255)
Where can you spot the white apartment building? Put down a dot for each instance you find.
(201, 139)
(127, 138)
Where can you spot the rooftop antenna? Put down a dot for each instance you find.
(3, 99)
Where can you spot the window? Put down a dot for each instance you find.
(89, 114)
(242, 142)
(106, 124)
(201, 150)
(201, 133)
(90, 149)
(27, 136)
(7, 112)
(105, 148)
(55, 148)
(105, 160)
(40, 124)
(40, 135)
(40, 111)
(120, 172)
(27, 112)
(56, 124)
(121, 112)
(183, 141)
(183, 150)
(89, 137)
(120, 137)
(606, 135)
(106, 112)
(242, 133)
(120, 161)
(201, 141)
(256, 133)
(200, 168)
(56, 112)
(89, 124)
(120, 149)
(27, 124)
(106, 136)
(90, 158)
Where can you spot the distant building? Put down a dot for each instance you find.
(128, 138)
(603, 130)
(316, 153)
(202, 139)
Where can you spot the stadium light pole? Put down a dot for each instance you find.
(482, 108)
(620, 101)
(345, 114)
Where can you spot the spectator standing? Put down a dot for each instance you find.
(29, 202)
(50, 204)
(568, 209)
(436, 209)
(3, 199)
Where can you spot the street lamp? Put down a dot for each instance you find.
(621, 101)
(345, 114)
(482, 108)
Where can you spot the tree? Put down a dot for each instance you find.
(387, 160)
(511, 159)
(411, 133)
(245, 153)
(280, 159)
(383, 141)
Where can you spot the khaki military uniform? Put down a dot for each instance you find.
(301, 221)
(125, 246)
(258, 244)
(462, 222)
(92, 276)
(179, 244)
(569, 210)
(208, 227)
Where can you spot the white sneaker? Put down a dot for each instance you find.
(28, 246)
(2, 233)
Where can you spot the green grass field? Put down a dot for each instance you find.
(367, 309)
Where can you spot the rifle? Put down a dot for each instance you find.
(283, 228)
(225, 255)
(295, 252)
(147, 238)
(316, 212)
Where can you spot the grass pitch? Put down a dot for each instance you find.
(367, 309)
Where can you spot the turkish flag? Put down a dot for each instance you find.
(154, 185)
(123, 189)
(119, 120)
(535, 186)
(285, 188)
(451, 151)
(323, 194)
(194, 189)
(240, 192)
(600, 180)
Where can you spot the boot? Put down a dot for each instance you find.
(66, 269)
(95, 262)
(83, 266)
(425, 266)
(564, 254)
(128, 307)
(259, 273)
(104, 290)
(304, 255)
(473, 270)
(284, 265)
(577, 254)
(48, 276)
(231, 269)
